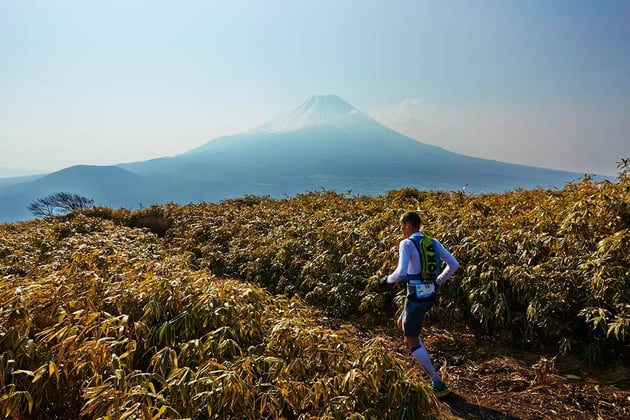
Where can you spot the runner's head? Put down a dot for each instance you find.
(412, 218)
(409, 224)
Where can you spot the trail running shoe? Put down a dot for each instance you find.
(439, 389)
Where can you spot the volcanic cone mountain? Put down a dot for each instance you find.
(327, 143)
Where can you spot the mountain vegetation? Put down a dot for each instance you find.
(260, 307)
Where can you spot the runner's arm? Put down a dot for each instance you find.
(451, 264)
(403, 262)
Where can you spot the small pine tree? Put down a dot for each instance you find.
(58, 204)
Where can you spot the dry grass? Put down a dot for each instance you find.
(118, 314)
(102, 322)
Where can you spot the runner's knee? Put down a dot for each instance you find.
(412, 342)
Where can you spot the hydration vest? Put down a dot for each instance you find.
(430, 268)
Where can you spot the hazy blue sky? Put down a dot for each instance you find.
(538, 82)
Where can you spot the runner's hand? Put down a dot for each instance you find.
(382, 281)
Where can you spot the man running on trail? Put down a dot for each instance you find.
(419, 267)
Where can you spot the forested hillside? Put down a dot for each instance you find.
(270, 308)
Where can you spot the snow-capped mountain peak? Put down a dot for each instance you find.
(317, 111)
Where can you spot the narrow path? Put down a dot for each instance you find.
(489, 381)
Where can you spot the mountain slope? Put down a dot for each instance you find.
(107, 185)
(328, 143)
(325, 143)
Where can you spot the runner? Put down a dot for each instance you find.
(419, 267)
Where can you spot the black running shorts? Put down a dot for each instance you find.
(412, 317)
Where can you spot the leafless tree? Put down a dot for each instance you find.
(59, 203)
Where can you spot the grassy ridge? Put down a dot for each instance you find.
(102, 321)
(99, 318)
(546, 268)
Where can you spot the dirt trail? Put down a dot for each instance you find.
(492, 382)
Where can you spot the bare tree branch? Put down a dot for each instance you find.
(59, 203)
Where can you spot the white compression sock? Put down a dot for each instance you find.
(422, 356)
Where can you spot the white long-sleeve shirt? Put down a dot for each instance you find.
(409, 262)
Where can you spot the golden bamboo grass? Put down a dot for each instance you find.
(105, 323)
(103, 320)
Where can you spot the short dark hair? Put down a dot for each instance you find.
(412, 218)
